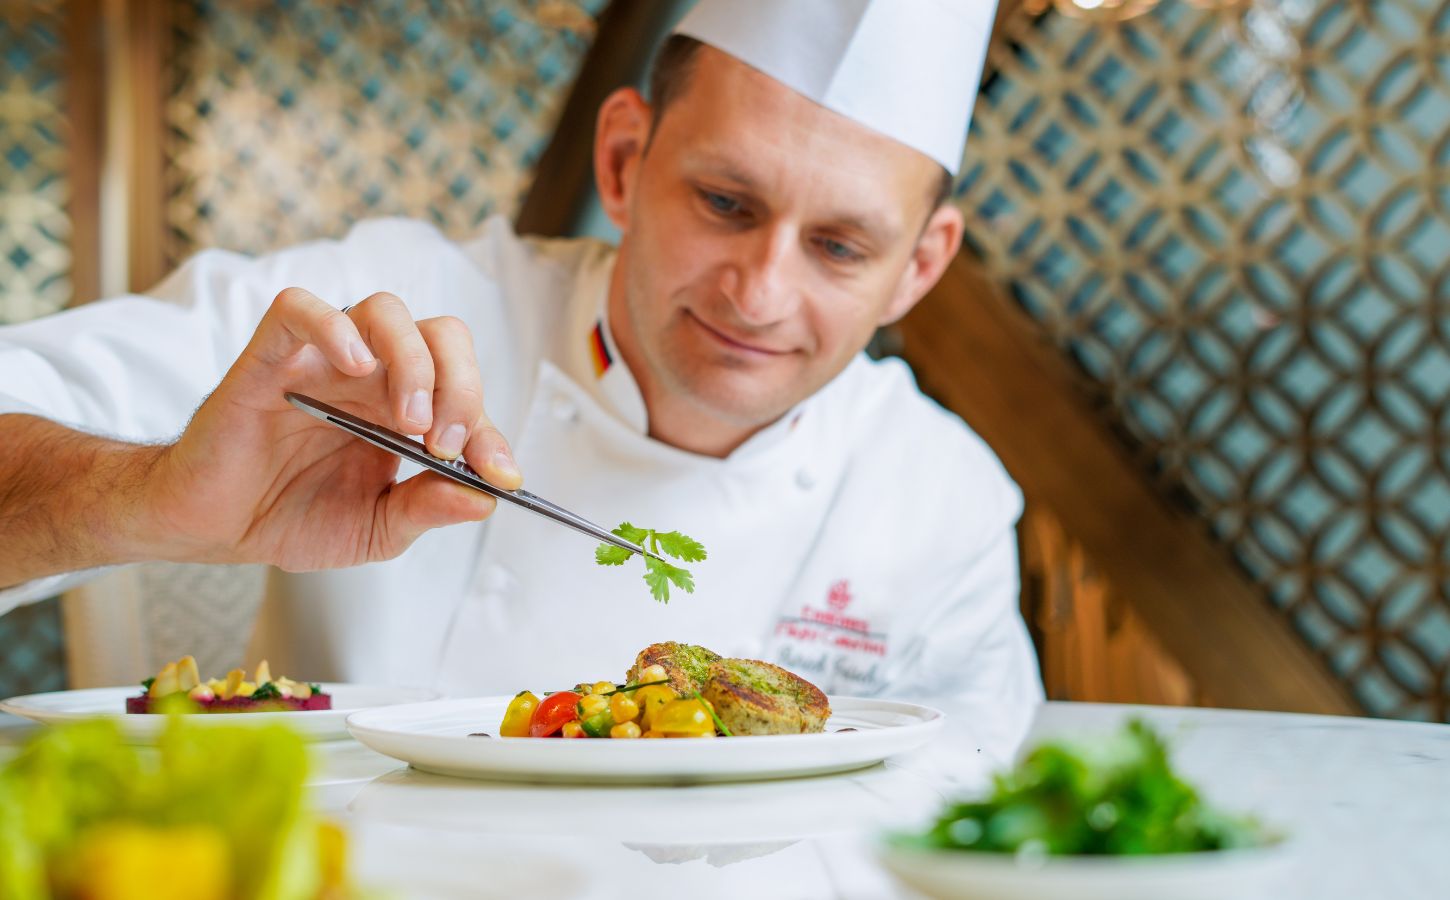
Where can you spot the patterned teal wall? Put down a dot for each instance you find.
(1238, 224)
(291, 120)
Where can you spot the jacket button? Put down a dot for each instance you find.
(563, 409)
(804, 480)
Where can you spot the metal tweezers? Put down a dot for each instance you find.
(458, 470)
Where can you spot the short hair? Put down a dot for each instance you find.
(669, 76)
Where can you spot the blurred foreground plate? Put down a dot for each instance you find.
(434, 737)
(315, 725)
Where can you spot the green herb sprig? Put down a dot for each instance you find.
(658, 574)
(1119, 796)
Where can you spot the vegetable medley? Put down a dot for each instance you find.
(649, 708)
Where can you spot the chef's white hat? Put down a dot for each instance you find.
(906, 68)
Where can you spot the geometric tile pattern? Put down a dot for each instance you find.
(290, 121)
(35, 255)
(32, 652)
(1237, 223)
(203, 611)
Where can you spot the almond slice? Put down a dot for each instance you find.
(234, 681)
(187, 677)
(165, 683)
(264, 673)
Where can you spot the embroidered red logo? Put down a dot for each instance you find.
(839, 596)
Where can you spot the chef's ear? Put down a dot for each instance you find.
(620, 136)
(934, 251)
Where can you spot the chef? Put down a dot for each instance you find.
(780, 195)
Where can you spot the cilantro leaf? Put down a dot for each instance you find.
(630, 533)
(610, 555)
(659, 575)
(680, 546)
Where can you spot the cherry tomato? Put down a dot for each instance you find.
(553, 712)
(683, 718)
(650, 700)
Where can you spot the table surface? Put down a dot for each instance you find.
(1366, 802)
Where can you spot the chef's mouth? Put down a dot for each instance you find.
(731, 342)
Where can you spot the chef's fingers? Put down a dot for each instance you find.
(297, 318)
(389, 329)
(460, 424)
(427, 500)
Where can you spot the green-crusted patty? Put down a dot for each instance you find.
(688, 665)
(754, 697)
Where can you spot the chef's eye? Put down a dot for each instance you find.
(837, 251)
(725, 206)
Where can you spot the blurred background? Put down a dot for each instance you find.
(1204, 313)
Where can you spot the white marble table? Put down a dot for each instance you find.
(1366, 801)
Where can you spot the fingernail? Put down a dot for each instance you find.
(450, 444)
(418, 405)
(504, 463)
(361, 355)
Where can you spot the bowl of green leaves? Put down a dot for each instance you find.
(1107, 819)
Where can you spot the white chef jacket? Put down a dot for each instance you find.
(864, 541)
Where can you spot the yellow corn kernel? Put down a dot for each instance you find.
(625, 730)
(572, 730)
(603, 687)
(592, 705)
(246, 689)
(655, 672)
(623, 708)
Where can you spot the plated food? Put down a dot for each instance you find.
(1115, 797)
(178, 687)
(1089, 819)
(441, 737)
(675, 690)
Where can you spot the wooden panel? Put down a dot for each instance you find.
(1092, 646)
(144, 55)
(85, 105)
(979, 355)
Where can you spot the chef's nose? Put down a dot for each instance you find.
(763, 291)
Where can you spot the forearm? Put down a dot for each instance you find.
(69, 500)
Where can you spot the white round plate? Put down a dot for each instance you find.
(1257, 874)
(434, 737)
(314, 725)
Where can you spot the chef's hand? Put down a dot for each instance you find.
(253, 479)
